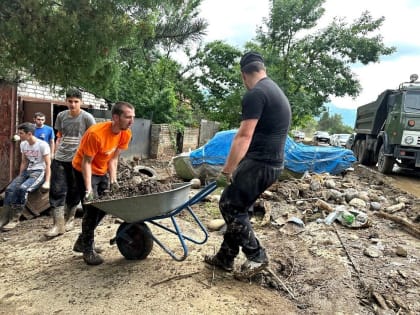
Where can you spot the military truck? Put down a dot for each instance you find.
(388, 129)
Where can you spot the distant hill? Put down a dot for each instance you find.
(348, 115)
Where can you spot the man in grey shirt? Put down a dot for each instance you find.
(70, 124)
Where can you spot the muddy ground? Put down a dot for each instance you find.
(315, 269)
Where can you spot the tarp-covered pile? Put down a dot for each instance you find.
(300, 158)
(207, 161)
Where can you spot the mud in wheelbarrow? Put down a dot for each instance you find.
(135, 239)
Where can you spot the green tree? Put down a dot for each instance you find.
(313, 65)
(156, 88)
(309, 65)
(333, 124)
(218, 77)
(86, 42)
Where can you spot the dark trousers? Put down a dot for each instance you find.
(63, 188)
(92, 216)
(250, 179)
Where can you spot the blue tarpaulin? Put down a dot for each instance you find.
(215, 151)
(299, 157)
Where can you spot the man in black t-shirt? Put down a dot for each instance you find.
(254, 163)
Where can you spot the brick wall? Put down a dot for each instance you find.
(35, 90)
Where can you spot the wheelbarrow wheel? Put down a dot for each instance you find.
(134, 240)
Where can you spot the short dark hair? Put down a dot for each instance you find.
(39, 114)
(252, 62)
(27, 127)
(118, 108)
(73, 92)
(255, 66)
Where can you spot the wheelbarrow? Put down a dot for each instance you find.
(135, 239)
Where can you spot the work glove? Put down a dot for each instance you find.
(89, 196)
(45, 187)
(114, 187)
(223, 179)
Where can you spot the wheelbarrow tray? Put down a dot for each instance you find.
(143, 207)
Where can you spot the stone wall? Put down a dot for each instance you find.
(35, 90)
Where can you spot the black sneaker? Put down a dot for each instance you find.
(214, 260)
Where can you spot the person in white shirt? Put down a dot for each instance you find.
(34, 173)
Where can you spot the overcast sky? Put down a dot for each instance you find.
(235, 22)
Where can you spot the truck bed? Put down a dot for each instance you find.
(370, 117)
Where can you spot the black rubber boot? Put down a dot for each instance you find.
(89, 223)
(78, 246)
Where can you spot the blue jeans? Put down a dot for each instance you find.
(18, 189)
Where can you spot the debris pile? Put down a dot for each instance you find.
(313, 197)
(135, 179)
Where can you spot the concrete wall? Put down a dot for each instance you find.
(190, 139)
(207, 131)
(163, 139)
(140, 142)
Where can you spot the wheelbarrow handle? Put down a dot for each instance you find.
(207, 190)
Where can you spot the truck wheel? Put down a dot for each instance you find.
(364, 157)
(356, 149)
(134, 240)
(385, 163)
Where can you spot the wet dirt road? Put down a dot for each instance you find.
(407, 180)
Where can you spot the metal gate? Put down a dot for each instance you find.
(8, 148)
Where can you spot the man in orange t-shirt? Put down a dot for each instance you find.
(95, 165)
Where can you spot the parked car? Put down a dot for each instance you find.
(298, 135)
(321, 137)
(350, 141)
(333, 139)
(340, 139)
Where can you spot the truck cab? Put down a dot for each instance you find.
(388, 129)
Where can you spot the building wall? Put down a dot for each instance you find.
(33, 89)
(163, 138)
